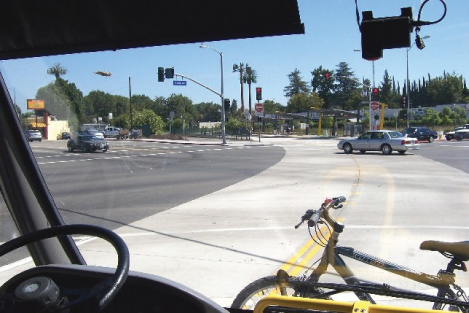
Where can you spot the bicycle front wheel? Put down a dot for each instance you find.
(265, 286)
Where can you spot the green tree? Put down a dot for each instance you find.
(208, 112)
(234, 124)
(303, 102)
(57, 70)
(144, 117)
(346, 94)
(141, 102)
(240, 68)
(297, 84)
(99, 104)
(270, 107)
(250, 77)
(445, 89)
(385, 91)
(323, 84)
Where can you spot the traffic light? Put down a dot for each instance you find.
(258, 93)
(160, 74)
(226, 103)
(169, 72)
(375, 94)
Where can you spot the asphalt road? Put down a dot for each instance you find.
(452, 153)
(103, 188)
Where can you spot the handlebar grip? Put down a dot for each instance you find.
(307, 215)
(339, 199)
(314, 218)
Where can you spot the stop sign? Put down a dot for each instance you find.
(259, 107)
(374, 105)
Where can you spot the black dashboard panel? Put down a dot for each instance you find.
(140, 293)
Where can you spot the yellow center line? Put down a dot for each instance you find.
(300, 259)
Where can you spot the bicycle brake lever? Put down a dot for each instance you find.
(299, 224)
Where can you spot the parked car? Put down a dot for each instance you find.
(63, 135)
(87, 143)
(421, 133)
(458, 133)
(385, 141)
(33, 135)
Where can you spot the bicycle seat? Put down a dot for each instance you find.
(459, 249)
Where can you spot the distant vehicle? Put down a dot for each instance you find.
(111, 131)
(33, 135)
(459, 133)
(421, 133)
(135, 134)
(63, 135)
(385, 141)
(87, 143)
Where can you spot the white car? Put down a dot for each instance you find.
(385, 141)
(33, 135)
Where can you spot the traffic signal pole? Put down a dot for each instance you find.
(198, 83)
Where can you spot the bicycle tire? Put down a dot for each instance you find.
(248, 297)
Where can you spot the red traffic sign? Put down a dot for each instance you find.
(259, 107)
(374, 105)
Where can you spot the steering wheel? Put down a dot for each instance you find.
(41, 293)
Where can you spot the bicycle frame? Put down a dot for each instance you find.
(333, 255)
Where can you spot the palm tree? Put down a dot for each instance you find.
(240, 68)
(57, 70)
(250, 76)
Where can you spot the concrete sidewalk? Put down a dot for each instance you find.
(265, 139)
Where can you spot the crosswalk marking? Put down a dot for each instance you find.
(170, 151)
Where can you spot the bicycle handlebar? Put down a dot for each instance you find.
(313, 216)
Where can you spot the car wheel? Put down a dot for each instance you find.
(104, 150)
(431, 139)
(362, 151)
(402, 152)
(70, 149)
(347, 148)
(458, 138)
(448, 138)
(386, 149)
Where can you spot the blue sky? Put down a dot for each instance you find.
(331, 36)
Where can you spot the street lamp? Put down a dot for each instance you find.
(408, 83)
(221, 94)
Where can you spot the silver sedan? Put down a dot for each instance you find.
(385, 141)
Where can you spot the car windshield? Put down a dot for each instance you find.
(218, 148)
